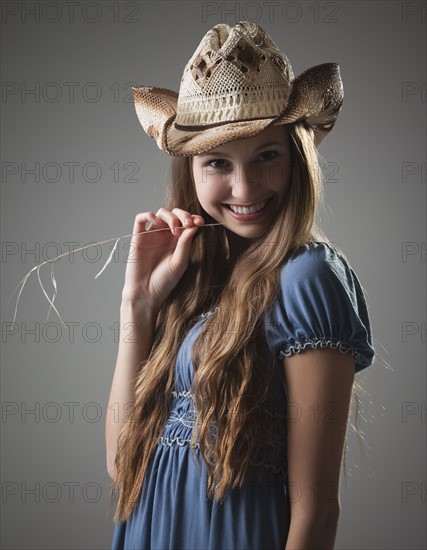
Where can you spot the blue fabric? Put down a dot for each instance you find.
(321, 303)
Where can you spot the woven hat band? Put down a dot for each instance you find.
(244, 106)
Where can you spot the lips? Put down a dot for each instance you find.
(248, 209)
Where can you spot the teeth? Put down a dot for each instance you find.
(248, 210)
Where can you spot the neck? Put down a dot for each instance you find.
(236, 245)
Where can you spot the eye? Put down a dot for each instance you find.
(268, 155)
(217, 164)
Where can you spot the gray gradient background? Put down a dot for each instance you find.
(371, 212)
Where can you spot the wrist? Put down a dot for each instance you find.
(140, 308)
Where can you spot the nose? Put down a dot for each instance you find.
(244, 182)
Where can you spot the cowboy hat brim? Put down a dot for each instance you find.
(316, 97)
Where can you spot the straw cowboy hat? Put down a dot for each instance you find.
(235, 85)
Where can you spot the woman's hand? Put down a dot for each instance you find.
(157, 261)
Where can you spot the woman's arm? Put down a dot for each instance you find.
(137, 325)
(319, 384)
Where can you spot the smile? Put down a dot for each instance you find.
(248, 209)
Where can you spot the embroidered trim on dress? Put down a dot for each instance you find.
(296, 347)
(187, 419)
(182, 394)
(177, 441)
(209, 313)
(166, 441)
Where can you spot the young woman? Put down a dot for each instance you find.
(242, 326)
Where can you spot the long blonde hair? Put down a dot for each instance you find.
(242, 293)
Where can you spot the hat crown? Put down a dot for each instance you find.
(235, 74)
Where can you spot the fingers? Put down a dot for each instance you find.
(181, 255)
(183, 226)
(187, 218)
(178, 218)
(142, 219)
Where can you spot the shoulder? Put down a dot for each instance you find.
(321, 303)
(317, 259)
(320, 272)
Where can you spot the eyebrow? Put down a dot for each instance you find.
(259, 148)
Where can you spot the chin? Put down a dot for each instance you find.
(249, 233)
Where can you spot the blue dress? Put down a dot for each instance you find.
(321, 304)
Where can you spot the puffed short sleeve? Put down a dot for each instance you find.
(320, 304)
